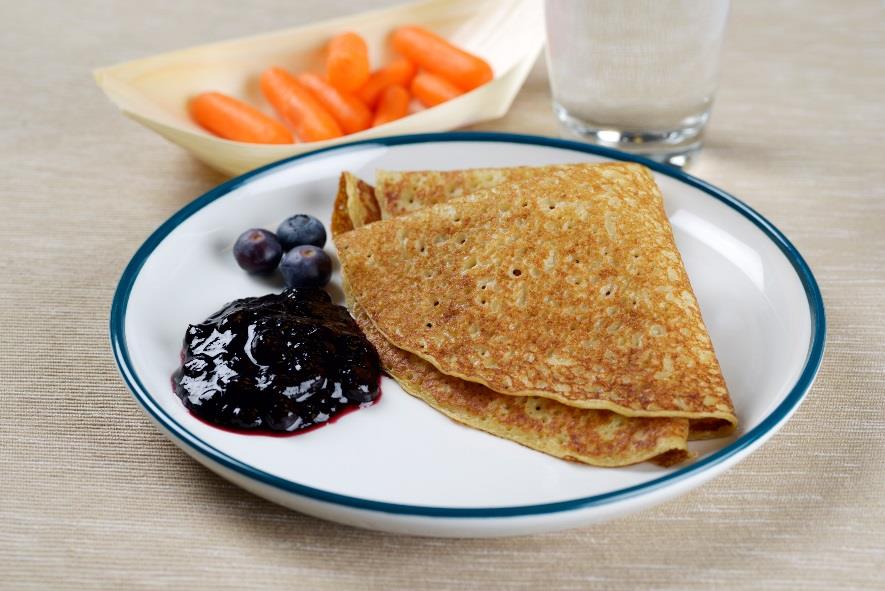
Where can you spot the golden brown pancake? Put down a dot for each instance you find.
(566, 286)
(596, 437)
(362, 207)
(402, 192)
(355, 204)
(341, 221)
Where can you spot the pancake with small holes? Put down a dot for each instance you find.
(401, 192)
(595, 437)
(566, 286)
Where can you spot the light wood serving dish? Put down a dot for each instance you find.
(155, 91)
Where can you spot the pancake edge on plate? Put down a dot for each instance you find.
(597, 438)
(607, 184)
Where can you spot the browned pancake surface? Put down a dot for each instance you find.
(402, 192)
(341, 221)
(596, 437)
(567, 287)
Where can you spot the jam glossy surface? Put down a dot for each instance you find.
(278, 363)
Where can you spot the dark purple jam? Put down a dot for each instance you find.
(278, 363)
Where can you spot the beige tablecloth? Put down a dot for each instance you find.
(92, 496)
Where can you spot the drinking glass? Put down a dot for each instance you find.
(636, 75)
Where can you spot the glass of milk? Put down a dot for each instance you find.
(636, 75)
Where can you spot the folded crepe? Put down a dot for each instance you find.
(565, 285)
(595, 437)
(402, 192)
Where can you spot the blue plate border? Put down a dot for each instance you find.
(144, 398)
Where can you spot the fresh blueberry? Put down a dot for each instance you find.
(301, 229)
(306, 266)
(258, 251)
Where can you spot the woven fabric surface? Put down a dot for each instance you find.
(93, 496)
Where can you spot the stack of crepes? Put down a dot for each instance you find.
(545, 305)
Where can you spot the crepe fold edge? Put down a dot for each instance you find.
(703, 425)
(665, 440)
(707, 423)
(596, 438)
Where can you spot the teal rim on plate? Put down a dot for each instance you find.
(149, 404)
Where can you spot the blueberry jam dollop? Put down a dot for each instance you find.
(279, 363)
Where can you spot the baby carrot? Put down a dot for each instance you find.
(432, 90)
(394, 104)
(399, 71)
(297, 107)
(347, 63)
(233, 119)
(350, 113)
(436, 55)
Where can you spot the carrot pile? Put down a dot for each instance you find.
(348, 97)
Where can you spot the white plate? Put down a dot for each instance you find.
(400, 466)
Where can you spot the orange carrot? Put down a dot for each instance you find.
(432, 90)
(233, 119)
(438, 56)
(399, 71)
(347, 64)
(350, 113)
(394, 104)
(297, 107)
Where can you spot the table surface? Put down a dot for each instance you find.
(92, 496)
